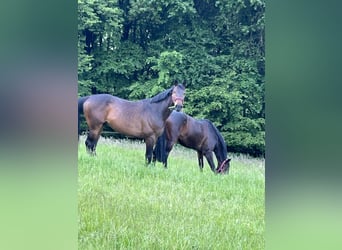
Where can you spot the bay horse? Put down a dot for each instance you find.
(144, 119)
(200, 135)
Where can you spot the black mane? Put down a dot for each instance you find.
(221, 141)
(161, 96)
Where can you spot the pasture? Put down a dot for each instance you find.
(122, 204)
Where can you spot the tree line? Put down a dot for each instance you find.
(134, 49)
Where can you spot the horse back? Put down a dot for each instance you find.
(133, 118)
(106, 102)
(175, 124)
(190, 134)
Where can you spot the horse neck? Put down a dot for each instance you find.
(163, 107)
(219, 155)
(220, 148)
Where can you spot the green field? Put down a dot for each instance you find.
(123, 204)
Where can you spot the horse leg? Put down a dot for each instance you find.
(167, 152)
(200, 160)
(210, 160)
(154, 158)
(92, 139)
(169, 146)
(150, 141)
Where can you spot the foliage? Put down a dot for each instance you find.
(134, 49)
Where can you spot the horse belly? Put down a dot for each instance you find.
(189, 142)
(128, 124)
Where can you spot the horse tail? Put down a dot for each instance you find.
(221, 141)
(81, 101)
(160, 149)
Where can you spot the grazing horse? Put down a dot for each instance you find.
(200, 135)
(143, 119)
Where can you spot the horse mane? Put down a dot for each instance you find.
(220, 140)
(165, 94)
(161, 96)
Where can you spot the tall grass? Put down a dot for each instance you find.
(125, 205)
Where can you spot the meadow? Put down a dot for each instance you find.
(122, 204)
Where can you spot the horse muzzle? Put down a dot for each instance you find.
(224, 167)
(178, 103)
(178, 107)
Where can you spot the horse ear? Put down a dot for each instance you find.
(184, 83)
(175, 83)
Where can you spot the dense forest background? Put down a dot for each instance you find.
(136, 48)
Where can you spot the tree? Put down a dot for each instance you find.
(134, 49)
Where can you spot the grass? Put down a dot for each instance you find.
(125, 205)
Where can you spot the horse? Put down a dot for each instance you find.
(144, 119)
(200, 135)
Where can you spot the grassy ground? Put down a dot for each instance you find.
(125, 205)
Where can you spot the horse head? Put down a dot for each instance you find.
(224, 167)
(178, 94)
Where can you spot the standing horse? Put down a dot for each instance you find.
(143, 119)
(200, 135)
